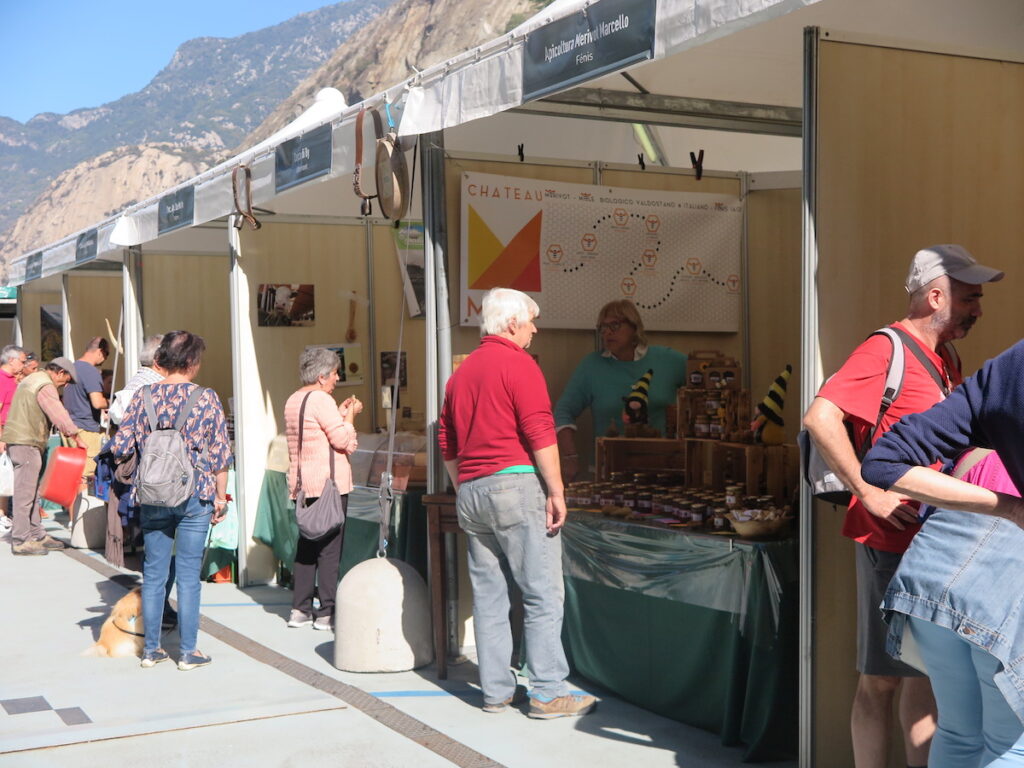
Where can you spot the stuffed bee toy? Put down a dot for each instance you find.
(635, 413)
(768, 424)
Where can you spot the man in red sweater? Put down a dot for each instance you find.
(497, 436)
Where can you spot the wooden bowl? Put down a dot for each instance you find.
(761, 529)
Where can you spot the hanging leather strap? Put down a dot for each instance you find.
(357, 175)
(243, 216)
(298, 466)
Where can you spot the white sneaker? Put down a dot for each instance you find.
(298, 619)
(5, 524)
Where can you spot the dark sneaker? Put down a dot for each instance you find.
(298, 619)
(51, 543)
(563, 706)
(30, 548)
(323, 623)
(193, 660)
(153, 658)
(517, 698)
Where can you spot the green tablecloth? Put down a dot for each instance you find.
(275, 525)
(700, 629)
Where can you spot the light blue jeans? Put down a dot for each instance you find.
(504, 520)
(976, 726)
(182, 531)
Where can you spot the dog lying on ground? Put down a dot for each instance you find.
(122, 634)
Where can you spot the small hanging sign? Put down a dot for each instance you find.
(303, 158)
(34, 266)
(85, 247)
(176, 210)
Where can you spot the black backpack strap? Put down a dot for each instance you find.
(915, 349)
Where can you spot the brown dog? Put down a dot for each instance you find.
(122, 633)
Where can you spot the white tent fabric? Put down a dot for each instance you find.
(476, 84)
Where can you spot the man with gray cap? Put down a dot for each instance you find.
(944, 284)
(36, 406)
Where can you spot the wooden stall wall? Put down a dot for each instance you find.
(94, 300)
(773, 255)
(914, 149)
(31, 303)
(190, 292)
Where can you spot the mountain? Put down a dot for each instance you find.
(410, 35)
(169, 144)
(212, 94)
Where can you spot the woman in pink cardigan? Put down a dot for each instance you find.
(326, 427)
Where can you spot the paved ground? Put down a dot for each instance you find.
(272, 697)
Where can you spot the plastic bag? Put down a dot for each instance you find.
(6, 475)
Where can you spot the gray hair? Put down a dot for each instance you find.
(149, 348)
(503, 305)
(315, 362)
(10, 352)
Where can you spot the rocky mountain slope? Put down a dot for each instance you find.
(212, 94)
(382, 52)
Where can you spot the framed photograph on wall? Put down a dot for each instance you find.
(387, 369)
(350, 362)
(285, 304)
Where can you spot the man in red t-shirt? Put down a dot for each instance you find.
(497, 437)
(944, 284)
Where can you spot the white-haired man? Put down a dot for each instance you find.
(497, 434)
(145, 375)
(944, 283)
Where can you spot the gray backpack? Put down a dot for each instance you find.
(165, 476)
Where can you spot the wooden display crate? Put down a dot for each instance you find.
(734, 407)
(772, 470)
(639, 454)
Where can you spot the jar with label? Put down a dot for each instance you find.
(658, 505)
(619, 477)
(697, 512)
(732, 496)
(712, 406)
(607, 497)
(697, 379)
(716, 429)
(619, 494)
(643, 502)
(720, 521)
(702, 425)
(715, 379)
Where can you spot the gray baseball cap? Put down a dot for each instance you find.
(953, 260)
(67, 365)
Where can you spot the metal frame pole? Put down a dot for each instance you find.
(810, 376)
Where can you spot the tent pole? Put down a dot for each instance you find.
(131, 298)
(65, 322)
(810, 376)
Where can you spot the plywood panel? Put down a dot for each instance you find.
(31, 302)
(93, 302)
(914, 149)
(332, 258)
(190, 292)
(773, 247)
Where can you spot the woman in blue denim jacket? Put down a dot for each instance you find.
(960, 587)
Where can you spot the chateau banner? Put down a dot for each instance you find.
(575, 247)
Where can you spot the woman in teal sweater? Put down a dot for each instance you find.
(604, 379)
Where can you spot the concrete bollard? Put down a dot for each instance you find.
(382, 618)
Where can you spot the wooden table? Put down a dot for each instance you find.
(441, 519)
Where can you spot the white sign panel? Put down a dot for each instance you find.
(575, 247)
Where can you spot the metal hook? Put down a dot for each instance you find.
(519, 150)
(640, 158)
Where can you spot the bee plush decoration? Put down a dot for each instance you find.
(768, 425)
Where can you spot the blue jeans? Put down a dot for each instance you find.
(504, 520)
(181, 530)
(976, 726)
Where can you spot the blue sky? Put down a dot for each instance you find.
(60, 55)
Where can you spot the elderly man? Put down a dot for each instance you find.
(12, 360)
(35, 408)
(497, 436)
(944, 284)
(85, 401)
(145, 375)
